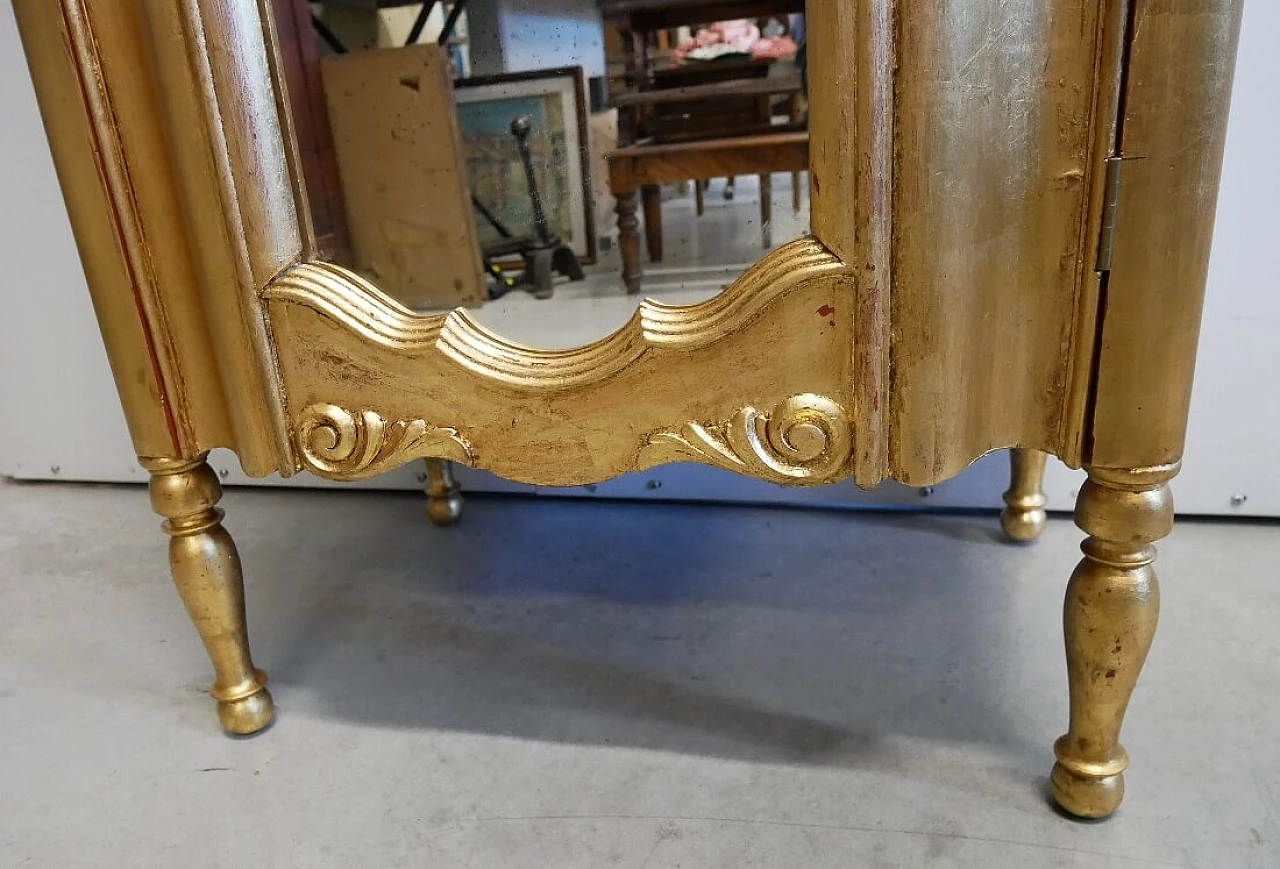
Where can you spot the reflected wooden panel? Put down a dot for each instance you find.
(395, 126)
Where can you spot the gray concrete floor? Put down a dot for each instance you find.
(584, 685)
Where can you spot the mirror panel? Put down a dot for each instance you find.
(543, 163)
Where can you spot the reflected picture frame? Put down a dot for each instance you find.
(556, 101)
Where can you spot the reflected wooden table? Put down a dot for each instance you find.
(678, 124)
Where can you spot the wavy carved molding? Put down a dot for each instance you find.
(806, 439)
(353, 302)
(341, 445)
(677, 383)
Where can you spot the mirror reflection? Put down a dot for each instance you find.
(546, 163)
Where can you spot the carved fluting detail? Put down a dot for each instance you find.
(357, 308)
(343, 445)
(578, 415)
(806, 439)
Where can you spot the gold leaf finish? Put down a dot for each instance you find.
(358, 306)
(690, 327)
(807, 439)
(950, 302)
(444, 495)
(1109, 619)
(342, 445)
(1024, 518)
(354, 361)
(206, 570)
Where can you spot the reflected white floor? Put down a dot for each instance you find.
(703, 255)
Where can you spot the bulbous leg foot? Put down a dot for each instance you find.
(243, 714)
(206, 571)
(1092, 792)
(1024, 516)
(1109, 620)
(444, 495)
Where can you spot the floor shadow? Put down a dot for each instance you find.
(784, 635)
(967, 526)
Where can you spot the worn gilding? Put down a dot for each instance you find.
(952, 301)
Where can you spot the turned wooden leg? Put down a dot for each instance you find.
(206, 570)
(766, 210)
(797, 192)
(651, 194)
(1024, 517)
(700, 197)
(629, 240)
(1113, 601)
(444, 495)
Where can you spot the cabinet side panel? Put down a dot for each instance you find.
(851, 179)
(1181, 66)
(994, 153)
(222, 91)
(99, 109)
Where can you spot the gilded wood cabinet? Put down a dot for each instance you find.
(1012, 209)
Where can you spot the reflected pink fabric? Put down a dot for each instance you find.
(739, 35)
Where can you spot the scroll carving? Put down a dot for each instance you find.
(806, 439)
(668, 386)
(341, 445)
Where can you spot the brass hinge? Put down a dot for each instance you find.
(1110, 214)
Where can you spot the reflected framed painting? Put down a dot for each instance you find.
(554, 101)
